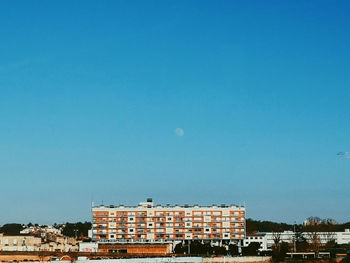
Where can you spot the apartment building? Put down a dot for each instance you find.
(147, 222)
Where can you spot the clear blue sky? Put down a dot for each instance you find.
(91, 93)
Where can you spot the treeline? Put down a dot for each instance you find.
(79, 229)
(11, 229)
(311, 224)
(76, 229)
(254, 226)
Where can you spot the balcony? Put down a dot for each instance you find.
(106, 215)
(100, 227)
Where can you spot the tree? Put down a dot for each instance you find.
(217, 250)
(278, 254)
(208, 248)
(233, 250)
(179, 249)
(76, 229)
(11, 229)
(328, 227)
(320, 232)
(312, 229)
(251, 249)
(300, 241)
(345, 260)
(254, 226)
(330, 244)
(276, 237)
(196, 247)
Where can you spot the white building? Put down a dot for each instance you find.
(88, 247)
(267, 240)
(40, 229)
(342, 237)
(258, 238)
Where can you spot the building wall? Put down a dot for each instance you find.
(261, 239)
(23, 258)
(88, 247)
(31, 243)
(160, 248)
(185, 260)
(287, 236)
(148, 222)
(148, 260)
(343, 237)
(19, 243)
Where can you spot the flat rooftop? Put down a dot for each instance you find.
(151, 205)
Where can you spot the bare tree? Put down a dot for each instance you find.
(319, 232)
(328, 231)
(312, 229)
(314, 241)
(277, 238)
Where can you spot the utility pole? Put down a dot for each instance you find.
(295, 239)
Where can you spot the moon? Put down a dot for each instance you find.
(179, 132)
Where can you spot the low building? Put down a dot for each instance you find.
(258, 238)
(160, 248)
(342, 237)
(19, 243)
(267, 239)
(60, 243)
(88, 247)
(137, 248)
(41, 229)
(34, 243)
